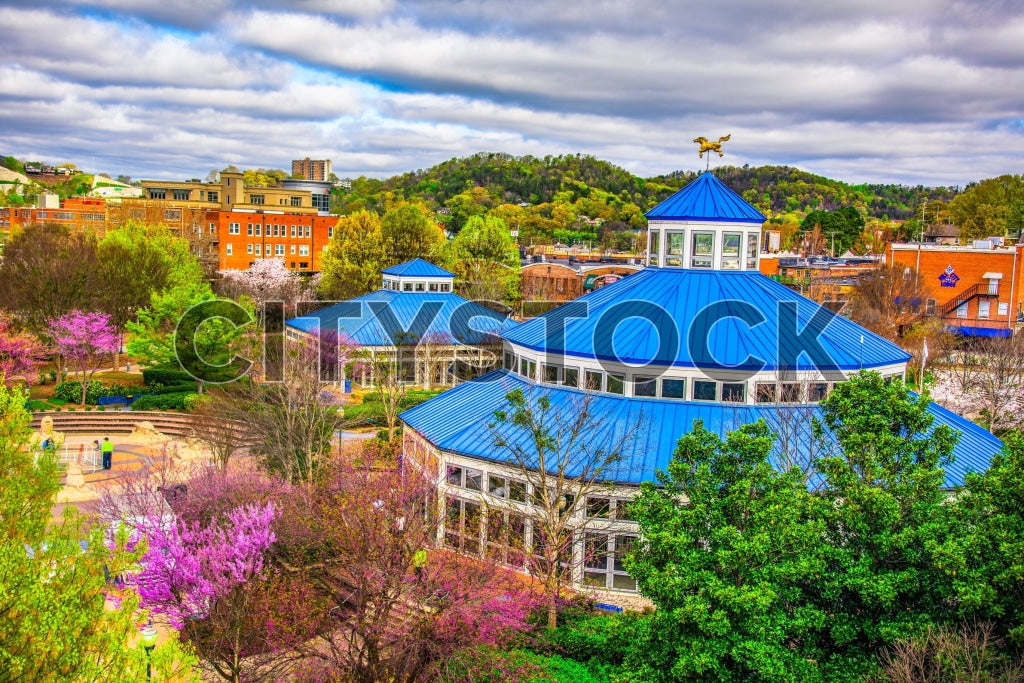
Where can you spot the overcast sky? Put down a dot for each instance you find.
(929, 91)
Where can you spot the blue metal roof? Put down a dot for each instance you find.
(382, 317)
(459, 420)
(706, 198)
(707, 319)
(417, 268)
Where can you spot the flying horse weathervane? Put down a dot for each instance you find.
(711, 146)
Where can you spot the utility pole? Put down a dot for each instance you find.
(833, 234)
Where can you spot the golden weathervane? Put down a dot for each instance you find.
(711, 146)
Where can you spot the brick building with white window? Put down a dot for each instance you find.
(975, 289)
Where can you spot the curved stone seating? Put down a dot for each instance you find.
(175, 425)
(119, 422)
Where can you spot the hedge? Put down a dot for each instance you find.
(71, 391)
(169, 375)
(371, 410)
(163, 401)
(165, 376)
(183, 388)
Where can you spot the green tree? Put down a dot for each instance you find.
(841, 227)
(732, 547)
(993, 207)
(136, 260)
(410, 231)
(188, 325)
(55, 624)
(47, 271)
(485, 260)
(356, 255)
(262, 177)
(475, 201)
(984, 556)
(885, 514)
(12, 163)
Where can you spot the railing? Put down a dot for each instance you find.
(980, 289)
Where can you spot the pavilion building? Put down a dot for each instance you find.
(699, 333)
(415, 323)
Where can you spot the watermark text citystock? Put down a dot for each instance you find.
(201, 348)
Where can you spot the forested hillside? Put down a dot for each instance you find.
(776, 190)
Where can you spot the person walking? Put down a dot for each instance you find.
(108, 452)
(419, 564)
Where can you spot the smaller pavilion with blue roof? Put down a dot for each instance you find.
(699, 333)
(434, 337)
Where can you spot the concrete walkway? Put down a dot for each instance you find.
(131, 457)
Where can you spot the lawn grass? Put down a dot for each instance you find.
(371, 411)
(37, 404)
(120, 377)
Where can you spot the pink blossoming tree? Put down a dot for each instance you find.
(20, 354)
(189, 566)
(84, 339)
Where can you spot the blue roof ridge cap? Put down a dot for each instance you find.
(706, 198)
(417, 267)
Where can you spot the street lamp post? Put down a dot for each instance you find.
(148, 643)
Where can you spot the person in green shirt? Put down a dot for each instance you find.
(419, 564)
(107, 448)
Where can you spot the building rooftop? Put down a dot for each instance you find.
(417, 268)
(458, 421)
(748, 320)
(706, 198)
(385, 317)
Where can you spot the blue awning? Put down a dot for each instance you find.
(967, 331)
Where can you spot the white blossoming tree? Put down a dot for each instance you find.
(985, 382)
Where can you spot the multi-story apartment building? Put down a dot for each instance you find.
(300, 239)
(312, 169)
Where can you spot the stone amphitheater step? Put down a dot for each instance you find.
(120, 422)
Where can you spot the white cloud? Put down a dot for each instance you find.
(856, 89)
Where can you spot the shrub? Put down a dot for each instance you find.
(601, 639)
(181, 388)
(489, 665)
(169, 375)
(193, 401)
(970, 652)
(165, 376)
(71, 391)
(162, 402)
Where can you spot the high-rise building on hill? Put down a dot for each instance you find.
(312, 169)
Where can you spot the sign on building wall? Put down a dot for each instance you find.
(948, 277)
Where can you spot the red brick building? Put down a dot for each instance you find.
(975, 289)
(299, 239)
(564, 281)
(76, 212)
